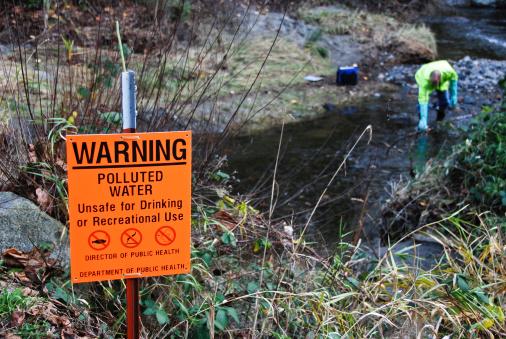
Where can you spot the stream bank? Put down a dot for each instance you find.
(253, 277)
(313, 149)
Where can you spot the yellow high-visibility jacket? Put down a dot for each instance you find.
(422, 77)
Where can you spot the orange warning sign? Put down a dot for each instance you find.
(129, 195)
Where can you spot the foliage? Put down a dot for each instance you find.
(350, 295)
(481, 162)
(151, 308)
(33, 4)
(180, 9)
(34, 330)
(457, 202)
(234, 289)
(311, 43)
(14, 300)
(472, 172)
(384, 31)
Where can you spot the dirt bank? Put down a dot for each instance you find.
(195, 73)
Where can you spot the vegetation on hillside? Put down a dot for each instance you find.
(253, 277)
(385, 32)
(250, 276)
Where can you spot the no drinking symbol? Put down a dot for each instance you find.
(165, 235)
(131, 237)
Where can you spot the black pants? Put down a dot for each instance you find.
(443, 98)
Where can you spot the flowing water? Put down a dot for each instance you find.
(469, 31)
(312, 150)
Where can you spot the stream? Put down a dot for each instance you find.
(311, 151)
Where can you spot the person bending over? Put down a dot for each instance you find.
(436, 76)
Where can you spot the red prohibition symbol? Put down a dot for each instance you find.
(131, 237)
(165, 235)
(99, 240)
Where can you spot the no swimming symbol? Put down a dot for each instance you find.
(165, 235)
(99, 240)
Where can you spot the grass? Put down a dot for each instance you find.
(304, 295)
(417, 34)
(13, 307)
(471, 180)
(381, 30)
(287, 64)
(341, 20)
(351, 294)
(14, 300)
(251, 277)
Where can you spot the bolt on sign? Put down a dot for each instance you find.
(129, 205)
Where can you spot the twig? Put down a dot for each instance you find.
(120, 47)
(271, 211)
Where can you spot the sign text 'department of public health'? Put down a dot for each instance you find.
(129, 205)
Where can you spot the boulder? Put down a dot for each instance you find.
(414, 254)
(24, 226)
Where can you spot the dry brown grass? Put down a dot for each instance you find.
(408, 40)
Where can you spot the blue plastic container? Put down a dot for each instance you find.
(347, 76)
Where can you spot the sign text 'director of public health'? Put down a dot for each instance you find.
(129, 205)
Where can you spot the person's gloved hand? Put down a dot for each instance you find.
(453, 93)
(424, 113)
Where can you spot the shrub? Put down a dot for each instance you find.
(481, 161)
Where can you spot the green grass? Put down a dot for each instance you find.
(480, 162)
(14, 300)
(35, 330)
(341, 20)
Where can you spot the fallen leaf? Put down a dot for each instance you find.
(22, 277)
(44, 200)
(225, 219)
(31, 263)
(14, 258)
(17, 318)
(62, 164)
(28, 292)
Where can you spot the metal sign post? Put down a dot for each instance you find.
(133, 308)
(129, 126)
